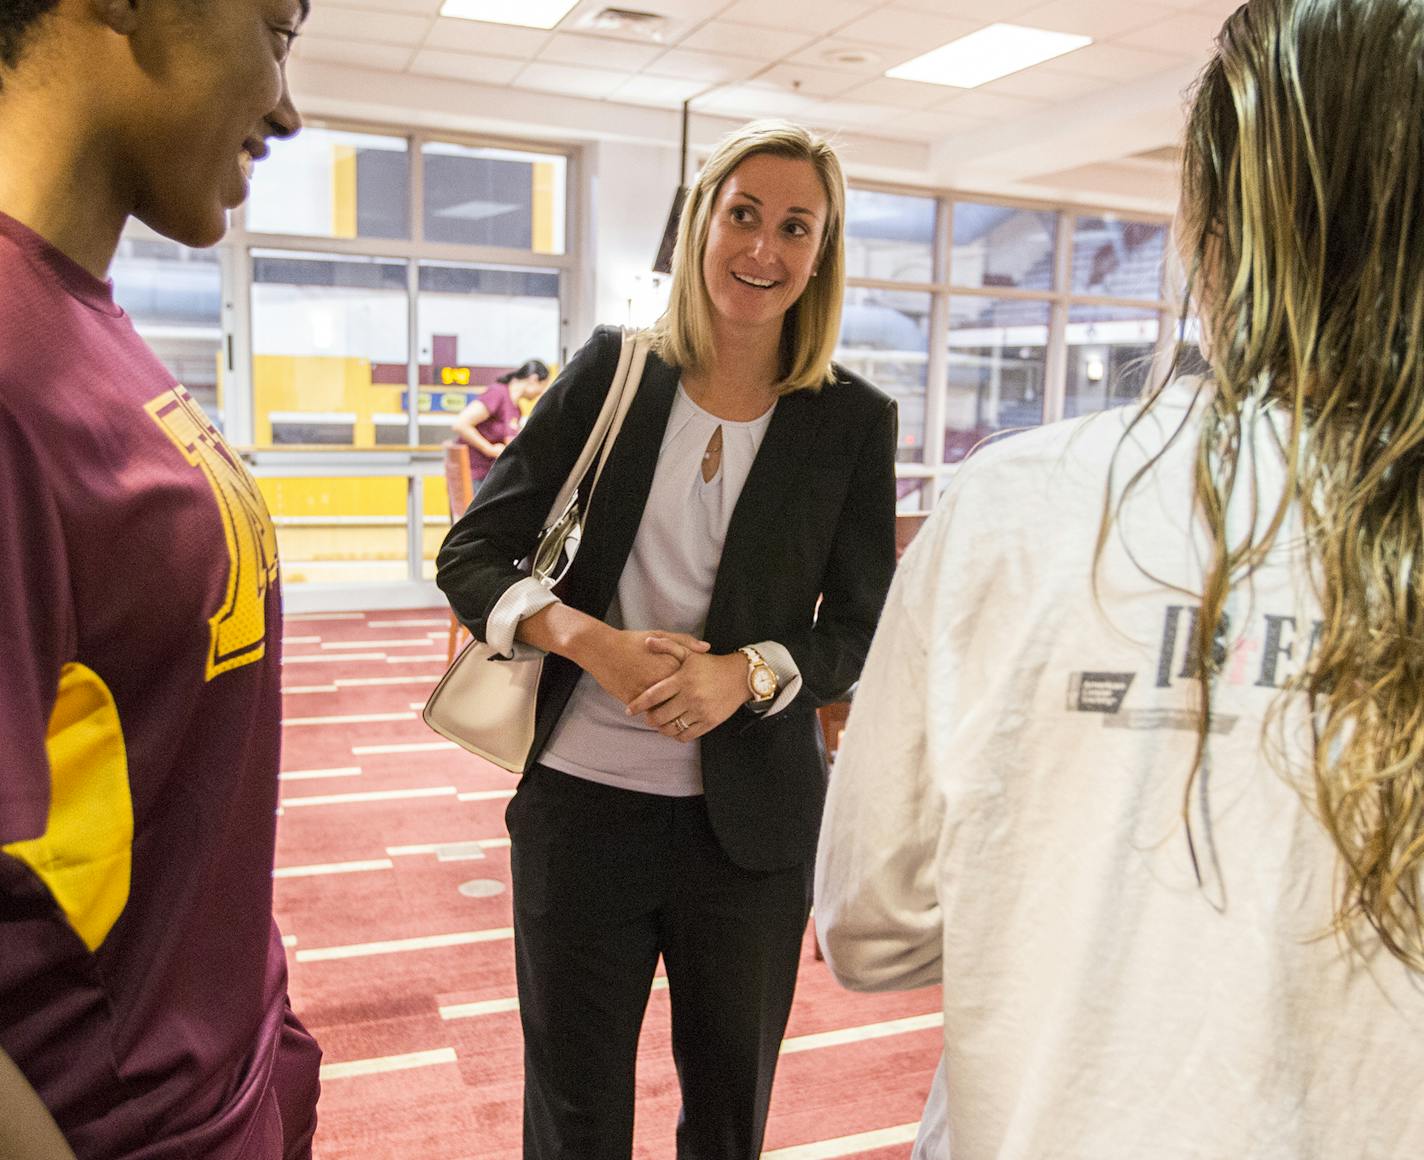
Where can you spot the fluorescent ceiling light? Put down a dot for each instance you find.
(525, 13)
(987, 55)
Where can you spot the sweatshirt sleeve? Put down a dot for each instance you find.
(877, 907)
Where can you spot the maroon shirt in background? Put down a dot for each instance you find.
(134, 543)
(501, 426)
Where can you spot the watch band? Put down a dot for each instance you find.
(762, 681)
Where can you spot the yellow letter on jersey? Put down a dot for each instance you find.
(239, 627)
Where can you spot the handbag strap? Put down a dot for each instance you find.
(632, 358)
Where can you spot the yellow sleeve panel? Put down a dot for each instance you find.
(85, 855)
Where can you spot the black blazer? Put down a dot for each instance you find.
(815, 523)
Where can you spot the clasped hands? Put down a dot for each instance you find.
(674, 681)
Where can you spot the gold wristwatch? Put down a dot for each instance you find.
(761, 678)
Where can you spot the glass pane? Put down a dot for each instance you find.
(1118, 259)
(329, 348)
(477, 323)
(174, 296)
(495, 197)
(435, 516)
(889, 236)
(329, 184)
(997, 353)
(339, 530)
(997, 245)
(1109, 356)
(885, 338)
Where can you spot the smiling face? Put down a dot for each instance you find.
(215, 91)
(763, 241)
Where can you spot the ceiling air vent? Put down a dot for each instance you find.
(627, 22)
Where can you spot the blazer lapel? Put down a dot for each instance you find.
(622, 493)
(757, 531)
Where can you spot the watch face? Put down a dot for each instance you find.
(763, 682)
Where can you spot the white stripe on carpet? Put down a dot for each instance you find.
(378, 795)
(398, 946)
(847, 1145)
(387, 1063)
(352, 719)
(312, 774)
(857, 1034)
(486, 795)
(333, 868)
(410, 747)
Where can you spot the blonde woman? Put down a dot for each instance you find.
(673, 800)
(1143, 783)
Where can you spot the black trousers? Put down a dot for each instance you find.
(606, 880)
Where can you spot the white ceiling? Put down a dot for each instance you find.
(1093, 122)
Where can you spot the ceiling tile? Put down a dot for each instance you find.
(901, 94)
(1042, 83)
(466, 66)
(809, 82)
(428, 8)
(1190, 32)
(938, 125)
(746, 39)
(908, 28)
(664, 92)
(628, 56)
(490, 39)
(704, 66)
(754, 101)
(827, 54)
(357, 54)
(988, 106)
(1115, 62)
(327, 21)
(571, 81)
(979, 11)
(1100, 19)
(796, 15)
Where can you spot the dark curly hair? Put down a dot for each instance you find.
(17, 18)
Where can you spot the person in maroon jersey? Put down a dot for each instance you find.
(142, 979)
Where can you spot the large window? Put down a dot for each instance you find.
(1024, 314)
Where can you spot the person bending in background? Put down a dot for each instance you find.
(673, 795)
(1136, 767)
(491, 421)
(142, 979)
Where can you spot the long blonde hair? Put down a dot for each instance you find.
(1303, 228)
(683, 336)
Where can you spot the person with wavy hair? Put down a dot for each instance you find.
(1136, 767)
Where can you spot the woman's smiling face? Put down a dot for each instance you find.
(764, 240)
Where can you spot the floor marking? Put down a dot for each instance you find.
(379, 795)
(333, 868)
(436, 847)
(847, 1145)
(312, 774)
(351, 719)
(306, 617)
(359, 644)
(365, 682)
(398, 946)
(289, 940)
(405, 623)
(415, 660)
(486, 795)
(387, 1063)
(339, 659)
(286, 640)
(410, 747)
(293, 690)
(498, 1006)
(858, 1034)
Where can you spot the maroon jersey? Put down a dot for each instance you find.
(142, 981)
(501, 426)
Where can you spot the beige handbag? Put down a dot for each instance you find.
(485, 702)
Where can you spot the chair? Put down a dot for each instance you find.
(460, 489)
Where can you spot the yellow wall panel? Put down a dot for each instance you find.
(343, 191)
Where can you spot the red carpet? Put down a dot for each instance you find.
(422, 1041)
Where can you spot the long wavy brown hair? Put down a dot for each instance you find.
(1302, 230)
